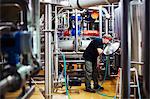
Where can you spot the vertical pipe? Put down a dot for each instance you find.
(139, 39)
(76, 35)
(106, 26)
(21, 17)
(146, 68)
(84, 25)
(100, 21)
(36, 26)
(48, 23)
(88, 26)
(68, 19)
(109, 9)
(112, 20)
(56, 43)
(125, 58)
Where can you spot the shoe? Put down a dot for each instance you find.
(90, 90)
(98, 87)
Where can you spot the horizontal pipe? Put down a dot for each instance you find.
(48, 30)
(77, 56)
(88, 3)
(70, 53)
(73, 61)
(135, 62)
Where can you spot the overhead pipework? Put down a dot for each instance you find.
(80, 4)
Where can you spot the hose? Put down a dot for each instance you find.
(107, 61)
(65, 69)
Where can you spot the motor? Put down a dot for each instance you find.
(73, 30)
(19, 65)
(15, 43)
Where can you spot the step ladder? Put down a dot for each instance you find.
(133, 84)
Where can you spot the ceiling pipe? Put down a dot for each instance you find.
(87, 3)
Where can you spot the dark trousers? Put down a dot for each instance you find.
(91, 72)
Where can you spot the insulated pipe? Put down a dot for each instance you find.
(66, 45)
(87, 3)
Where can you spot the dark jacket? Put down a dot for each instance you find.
(91, 52)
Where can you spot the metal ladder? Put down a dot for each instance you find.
(133, 84)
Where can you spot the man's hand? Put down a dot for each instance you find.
(100, 51)
(100, 65)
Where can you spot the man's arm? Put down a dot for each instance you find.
(100, 51)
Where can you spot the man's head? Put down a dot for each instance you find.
(106, 38)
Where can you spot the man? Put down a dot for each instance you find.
(94, 49)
